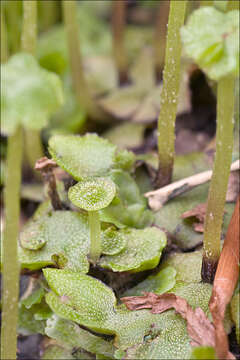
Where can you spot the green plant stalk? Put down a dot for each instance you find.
(10, 265)
(206, 2)
(48, 13)
(79, 83)
(118, 27)
(169, 94)
(219, 181)
(33, 144)
(4, 44)
(13, 14)
(159, 42)
(221, 4)
(95, 235)
(233, 5)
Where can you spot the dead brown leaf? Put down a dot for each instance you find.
(200, 329)
(198, 212)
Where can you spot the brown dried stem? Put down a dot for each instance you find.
(46, 166)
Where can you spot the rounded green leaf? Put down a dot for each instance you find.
(143, 251)
(112, 242)
(160, 283)
(211, 39)
(92, 195)
(82, 156)
(29, 94)
(203, 353)
(33, 238)
(66, 237)
(72, 336)
(80, 298)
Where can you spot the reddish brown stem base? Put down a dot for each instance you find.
(209, 268)
(164, 176)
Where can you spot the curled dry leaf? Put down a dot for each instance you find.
(224, 283)
(199, 327)
(199, 212)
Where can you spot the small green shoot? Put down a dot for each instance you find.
(92, 196)
(170, 93)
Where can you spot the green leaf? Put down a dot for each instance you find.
(81, 298)
(67, 239)
(34, 298)
(187, 265)
(130, 208)
(30, 94)
(159, 284)
(27, 324)
(203, 353)
(235, 314)
(211, 39)
(113, 241)
(56, 352)
(141, 334)
(143, 251)
(82, 156)
(72, 336)
(127, 135)
(92, 195)
(30, 309)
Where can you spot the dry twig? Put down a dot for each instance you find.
(159, 197)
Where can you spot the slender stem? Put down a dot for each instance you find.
(219, 181)
(10, 265)
(160, 38)
(118, 26)
(29, 30)
(170, 91)
(78, 78)
(95, 231)
(49, 13)
(233, 5)
(206, 2)
(221, 4)
(33, 147)
(13, 20)
(4, 43)
(33, 143)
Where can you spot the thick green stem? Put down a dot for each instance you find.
(49, 12)
(4, 44)
(95, 235)
(13, 20)
(29, 30)
(118, 26)
(10, 265)
(219, 182)
(233, 5)
(206, 2)
(221, 4)
(79, 83)
(33, 143)
(170, 92)
(160, 38)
